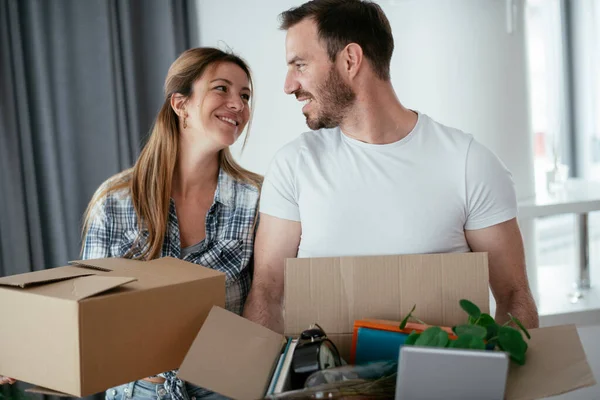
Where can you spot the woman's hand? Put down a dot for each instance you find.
(6, 379)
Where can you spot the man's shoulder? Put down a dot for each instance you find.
(310, 141)
(454, 139)
(445, 134)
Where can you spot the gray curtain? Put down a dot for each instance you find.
(80, 84)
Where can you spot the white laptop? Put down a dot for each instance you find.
(427, 373)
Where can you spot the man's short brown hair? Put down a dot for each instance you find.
(341, 22)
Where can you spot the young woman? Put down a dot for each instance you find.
(185, 197)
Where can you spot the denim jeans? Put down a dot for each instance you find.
(144, 390)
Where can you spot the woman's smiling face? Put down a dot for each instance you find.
(219, 107)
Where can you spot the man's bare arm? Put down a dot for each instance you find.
(276, 240)
(508, 275)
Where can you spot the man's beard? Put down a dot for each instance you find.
(335, 98)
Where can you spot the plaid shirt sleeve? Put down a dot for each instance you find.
(96, 243)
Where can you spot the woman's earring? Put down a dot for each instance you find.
(184, 122)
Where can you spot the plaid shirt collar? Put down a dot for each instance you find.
(224, 195)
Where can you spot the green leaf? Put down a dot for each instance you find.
(511, 341)
(518, 358)
(405, 320)
(519, 324)
(412, 338)
(485, 320)
(470, 308)
(433, 337)
(492, 331)
(473, 330)
(468, 342)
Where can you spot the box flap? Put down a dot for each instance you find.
(88, 286)
(335, 291)
(232, 356)
(164, 271)
(81, 287)
(556, 363)
(168, 265)
(107, 264)
(44, 276)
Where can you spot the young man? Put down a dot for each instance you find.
(374, 177)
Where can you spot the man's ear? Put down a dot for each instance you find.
(178, 103)
(352, 56)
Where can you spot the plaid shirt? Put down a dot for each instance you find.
(227, 246)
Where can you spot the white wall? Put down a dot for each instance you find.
(454, 61)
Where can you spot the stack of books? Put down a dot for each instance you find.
(282, 376)
(380, 340)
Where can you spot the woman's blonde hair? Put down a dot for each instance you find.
(149, 181)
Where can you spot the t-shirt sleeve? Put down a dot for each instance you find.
(279, 195)
(490, 190)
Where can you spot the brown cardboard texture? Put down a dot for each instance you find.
(83, 328)
(232, 356)
(556, 364)
(336, 291)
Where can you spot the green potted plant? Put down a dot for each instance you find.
(479, 333)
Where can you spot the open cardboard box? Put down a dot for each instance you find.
(95, 324)
(236, 357)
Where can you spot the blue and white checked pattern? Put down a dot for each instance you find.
(227, 247)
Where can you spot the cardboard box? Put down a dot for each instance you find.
(232, 356)
(336, 291)
(95, 324)
(236, 357)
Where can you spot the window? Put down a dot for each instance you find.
(547, 86)
(563, 53)
(585, 39)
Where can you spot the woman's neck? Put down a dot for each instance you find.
(195, 173)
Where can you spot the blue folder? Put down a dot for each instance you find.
(377, 345)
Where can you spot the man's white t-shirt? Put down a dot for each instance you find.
(417, 195)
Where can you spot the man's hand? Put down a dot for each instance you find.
(6, 379)
(508, 275)
(276, 240)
